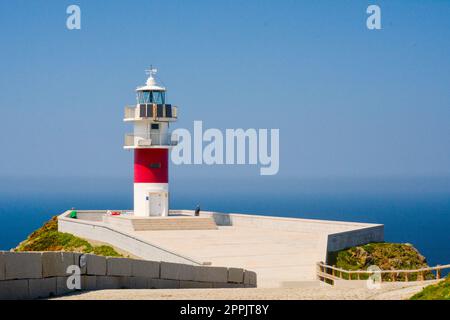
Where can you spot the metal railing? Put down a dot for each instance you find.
(130, 112)
(329, 274)
(149, 140)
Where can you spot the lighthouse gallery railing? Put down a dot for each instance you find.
(149, 140)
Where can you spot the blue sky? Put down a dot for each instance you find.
(349, 102)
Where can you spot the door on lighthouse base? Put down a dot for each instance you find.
(155, 204)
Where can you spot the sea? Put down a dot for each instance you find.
(415, 211)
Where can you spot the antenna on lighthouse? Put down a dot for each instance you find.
(151, 73)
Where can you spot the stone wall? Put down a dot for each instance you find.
(283, 223)
(127, 241)
(34, 275)
(343, 240)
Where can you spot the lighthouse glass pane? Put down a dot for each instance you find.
(144, 97)
(158, 97)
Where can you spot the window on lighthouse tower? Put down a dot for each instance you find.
(147, 97)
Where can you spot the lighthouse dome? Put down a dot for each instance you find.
(151, 84)
(151, 92)
(150, 87)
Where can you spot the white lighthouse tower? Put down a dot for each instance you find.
(151, 141)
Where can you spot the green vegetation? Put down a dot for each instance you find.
(439, 291)
(48, 238)
(387, 256)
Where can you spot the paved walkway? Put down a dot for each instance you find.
(276, 256)
(397, 291)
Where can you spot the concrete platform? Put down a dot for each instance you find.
(280, 258)
(282, 251)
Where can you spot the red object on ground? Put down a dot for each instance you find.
(151, 165)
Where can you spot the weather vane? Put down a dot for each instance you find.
(151, 72)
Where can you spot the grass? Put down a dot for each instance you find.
(48, 238)
(387, 256)
(391, 256)
(439, 291)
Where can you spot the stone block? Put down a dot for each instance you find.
(109, 282)
(195, 285)
(118, 267)
(163, 284)
(176, 271)
(142, 268)
(80, 259)
(211, 274)
(23, 265)
(62, 288)
(88, 283)
(14, 290)
(250, 278)
(42, 288)
(2, 266)
(138, 282)
(125, 282)
(55, 264)
(95, 265)
(235, 275)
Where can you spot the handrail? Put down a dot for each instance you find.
(150, 139)
(445, 266)
(323, 273)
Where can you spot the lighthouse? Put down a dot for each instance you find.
(151, 141)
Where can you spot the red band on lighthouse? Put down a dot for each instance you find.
(151, 165)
